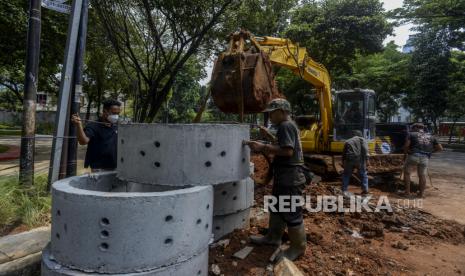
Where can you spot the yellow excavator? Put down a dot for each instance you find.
(243, 83)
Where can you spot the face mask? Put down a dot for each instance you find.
(113, 118)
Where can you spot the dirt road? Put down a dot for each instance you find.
(446, 200)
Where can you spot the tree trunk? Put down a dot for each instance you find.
(451, 130)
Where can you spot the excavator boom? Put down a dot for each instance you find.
(243, 81)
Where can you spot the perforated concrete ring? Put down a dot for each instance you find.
(183, 154)
(223, 225)
(233, 197)
(101, 224)
(195, 266)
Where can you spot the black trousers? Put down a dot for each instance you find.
(288, 182)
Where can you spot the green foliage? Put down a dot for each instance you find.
(334, 31)
(45, 128)
(20, 205)
(261, 18)
(3, 148)
(456, 94)
(13, 37)
(429, 72)
(186, 94)
(445, 15)
(10, 132)
(154, 39)
(103, 74)
(386, 73)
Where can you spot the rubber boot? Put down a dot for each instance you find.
(275, 232)
(298, 240)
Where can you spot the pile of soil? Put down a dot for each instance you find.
(341, 243)
(261, 169)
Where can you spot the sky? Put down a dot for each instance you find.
(402, 32)
(400, 35)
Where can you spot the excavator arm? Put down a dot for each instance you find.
(285, 53)
(243, 79)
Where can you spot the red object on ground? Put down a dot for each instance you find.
(12, 153)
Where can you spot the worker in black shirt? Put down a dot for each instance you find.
(288, 180)
(100, 137)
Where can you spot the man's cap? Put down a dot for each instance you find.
(418, 126)
(357, 133)
(278, 103)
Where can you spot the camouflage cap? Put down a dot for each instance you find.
(278, 103)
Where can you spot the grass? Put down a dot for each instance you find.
(29, 206)
(10, 132)
(3, 148)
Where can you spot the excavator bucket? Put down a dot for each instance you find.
(243, 81)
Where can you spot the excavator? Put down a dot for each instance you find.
(243, 82)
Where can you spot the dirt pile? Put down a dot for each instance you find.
(342, 243)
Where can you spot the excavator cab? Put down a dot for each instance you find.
(355, 110)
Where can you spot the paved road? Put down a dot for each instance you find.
(42, 156)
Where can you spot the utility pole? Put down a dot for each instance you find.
(71, 169)
(65, 89)
(26, 163)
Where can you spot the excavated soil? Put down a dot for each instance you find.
(406, 241)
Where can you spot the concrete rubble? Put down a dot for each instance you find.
(174, 186)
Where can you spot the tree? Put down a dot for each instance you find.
(13, 31)
(261, 18)
(456, 94)
(104, 75)
(335, 33)
(429, 72)
(444, 15)
(156, 38)
(186, 93)
(386, 73)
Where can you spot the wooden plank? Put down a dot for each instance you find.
(17, 266)
(13, 247)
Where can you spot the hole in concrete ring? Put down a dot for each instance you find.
(169, 218)
(235, 198)
(206, 226)
(243, 220)
(122, 141)
(142, 153)
(223, 153)
(243, 160)
(168, 241)
(157, 164)
(122, 159)
(217, 228)
(65, 227)
(157, 144)
(234, 184)
(208, 164)
(58, 213)
(104, 234)
(208, 206)
(199, 272)
(208, 144)
(57, 235)
(199, 221)
(104, 246)
(224, 192)
(104, 221)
